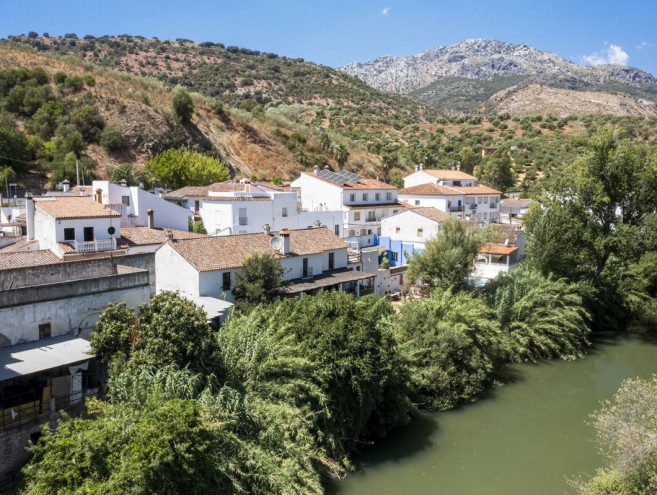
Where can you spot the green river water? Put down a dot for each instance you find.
(526, 437)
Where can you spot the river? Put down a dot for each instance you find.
(526, 437)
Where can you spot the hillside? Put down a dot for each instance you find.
(460, 77)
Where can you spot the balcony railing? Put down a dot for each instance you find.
(95, 246)
(456, 208)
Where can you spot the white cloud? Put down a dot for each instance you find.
(644, 44)
(385, 10)
(613, 54)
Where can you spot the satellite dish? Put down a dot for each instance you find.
(276, 243)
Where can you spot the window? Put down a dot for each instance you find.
(44, 330)
(243, 220)
(197, 206)
(226, 281)
(69, 234)
(331, 261)
(377, 197)
(352, 198)
(397, 230)
(478, 199)
(284, 213)
(305, 267)
(485, 215)
(336, 229)
(352, 233)
(417, 202)
(357, 216)
(389, 196)
(485, 199)
(420, 232)
(394, 256)
(88, 234)
(365, 196)
(125, 200)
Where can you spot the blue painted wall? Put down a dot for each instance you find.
(397, 247)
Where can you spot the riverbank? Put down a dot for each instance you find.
(525, 437)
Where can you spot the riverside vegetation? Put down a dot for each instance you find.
(277, 398)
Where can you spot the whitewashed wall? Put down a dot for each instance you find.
(408, 224)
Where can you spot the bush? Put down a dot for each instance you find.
(182, 104)
(186, 168)
(88, 122)
(112, 139)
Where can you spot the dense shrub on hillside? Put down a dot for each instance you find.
(179, 168)
(451, 342)
(16, 148)
(182, 104)
(112, 139)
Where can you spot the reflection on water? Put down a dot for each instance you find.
(525, 437)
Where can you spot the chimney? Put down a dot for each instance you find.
(267, 229)
(417, 168)
(317, 224)
(29, 215)
(326, 167)
(151, 220)
(458, 166)
(421, 167)
(123, 183)
(99, 195)
(285, 235)
(316, 169)
(66, 185)
(168, 233)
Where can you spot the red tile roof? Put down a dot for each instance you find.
(225, 252)
(141, 236)
(74, 207)
(477, 190)
(26, 259)
(497, 249)
(429, 190)
(445, 174)
(433, 214)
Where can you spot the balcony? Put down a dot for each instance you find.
(472, 206)
(456, 209)
(94, 246)
(493, 206)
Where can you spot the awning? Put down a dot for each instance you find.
(326, 279)
(42, 355)
(213, 306)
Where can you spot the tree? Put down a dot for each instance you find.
(397, 180)
(123, 171)
(179, 168)
(448, 259)
(258, 281)
(341, 155)
(496, 171)
(182, 104)
(450, 342)
(112, 139)
(626, 428)
(170, 329)
(469, 159)
(542, 317)
(15, 148)
(90, 124)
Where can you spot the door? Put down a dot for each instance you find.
(305, 267)
(76, 388)
(88, 234)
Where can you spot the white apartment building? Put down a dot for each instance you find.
(228, 208)
(454, 192)
(363, 202)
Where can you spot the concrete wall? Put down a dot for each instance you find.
(404, 227)
(317, 194)
(69, 307)
(174, 273)
(369, 196)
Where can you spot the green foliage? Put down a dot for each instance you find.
(496, 171)
(168, 330)
(122, 172)
(15, 148)
(542, 317)
(451, 343)
(182, 105)
(179, 168)
(90, 124)
(112, 139)
(259, 280)
(626, 428)
(199, 228)
(448, 259)
(62, 167)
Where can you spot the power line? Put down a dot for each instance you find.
(14, 159)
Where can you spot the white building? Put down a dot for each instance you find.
(204, 269)
(228, 208)
(452, 191)
(503, 253)
(363, 202)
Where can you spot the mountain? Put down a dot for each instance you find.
(463, 76)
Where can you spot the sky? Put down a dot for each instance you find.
(338, 32)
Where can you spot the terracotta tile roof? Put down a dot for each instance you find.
(477, 190)
(26, 259)
(17, 245)
(497, 249)
(66, 248)
(433, 214)
(445, 174)
(510, 202)
(429, 190)
(227, 186)
(224, 252)
(141, 236)
(397, 204)
(74, 207)
(361, 184)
